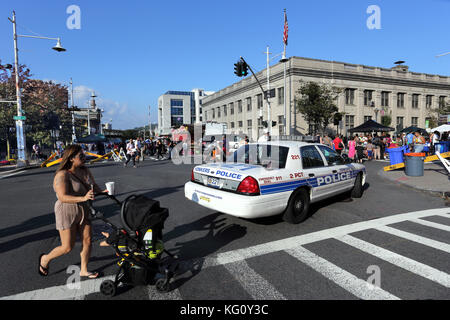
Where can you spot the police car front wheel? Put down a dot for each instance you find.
(358, 189)
(298, 207)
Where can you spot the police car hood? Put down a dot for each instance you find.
(232, 171)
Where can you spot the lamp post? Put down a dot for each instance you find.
(20, 132)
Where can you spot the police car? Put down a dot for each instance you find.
(278, 177)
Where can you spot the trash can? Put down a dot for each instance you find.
(414, 164)
(396, 154)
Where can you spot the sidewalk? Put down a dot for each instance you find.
(436, 178)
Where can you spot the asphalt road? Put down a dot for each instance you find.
(334, 254)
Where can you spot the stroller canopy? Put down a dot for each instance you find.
(139, 213)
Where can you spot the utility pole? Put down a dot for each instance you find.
(74, 136)
(269, 121)
(149, 124)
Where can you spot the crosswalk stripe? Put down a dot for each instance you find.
(413, 237)
(344, 279)
(258, 287)
(398, 260)
(431, 224)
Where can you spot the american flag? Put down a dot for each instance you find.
(285, 32)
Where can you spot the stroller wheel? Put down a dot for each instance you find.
(108, 288)
(162, 285)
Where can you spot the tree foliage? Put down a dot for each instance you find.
(317, 103)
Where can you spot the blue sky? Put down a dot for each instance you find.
(130, 53)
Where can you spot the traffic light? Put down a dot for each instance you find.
(238, 68)
(244, 69)
(265, 124)
(274, 123)
(337, 118)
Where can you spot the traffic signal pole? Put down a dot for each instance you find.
(269, 123)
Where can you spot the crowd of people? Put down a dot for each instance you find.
(374, 146)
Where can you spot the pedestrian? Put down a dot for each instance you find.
(74, 186)
(434, 138)
(326, 140)
(131, 153)
(359, 151)
(338, 144)
(418, 141)
(159, 147)
(369, 148)
(224, 148)
(352, 148)
(376, 147)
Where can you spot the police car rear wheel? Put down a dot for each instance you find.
(298, 207)
(357, 190)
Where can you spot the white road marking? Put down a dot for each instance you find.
(432, 224)
(344, 279)
(398, 260)
(258, 287)
(288, 243)
(412, 237)
(92, 286)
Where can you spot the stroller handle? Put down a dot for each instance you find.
(98, 214)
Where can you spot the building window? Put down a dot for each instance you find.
(281, 95)
(249, 124)
(349, 122)
(249, 104)
(232, 125)
(240, 124)
(206, 115)
(225, 110)
(259, 99)
(385, 99)
(399, 123)
(414, 121)
(232, 108)
(429, 101)
(240, 106)
(350, 96)
(367, 97)
(218, 112)
(441, 101)
(176, 111)
(367, 118)
(415, 101)
(280, 125)
(400, 100)
(214, 113)
(176, 102)
(176, 121)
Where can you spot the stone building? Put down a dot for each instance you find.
(405, 96)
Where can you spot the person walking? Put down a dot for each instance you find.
(338, 144)
(74, 186)
(352, 148)
(376, 147)
(131, 153)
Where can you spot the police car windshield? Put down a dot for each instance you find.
(269, 156)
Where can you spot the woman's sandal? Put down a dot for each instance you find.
(45, 273)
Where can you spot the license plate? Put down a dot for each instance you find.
(213, 182)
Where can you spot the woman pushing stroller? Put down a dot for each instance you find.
(74, 185)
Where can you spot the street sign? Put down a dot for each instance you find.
(19, 118)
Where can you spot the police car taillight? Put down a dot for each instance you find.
(192, 175)
(249, 186)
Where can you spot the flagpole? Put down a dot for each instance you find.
(284, 60)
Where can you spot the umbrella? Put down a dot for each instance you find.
(371, 126)
(414, 129)
(92, 138)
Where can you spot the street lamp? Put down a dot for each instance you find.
(20, 118)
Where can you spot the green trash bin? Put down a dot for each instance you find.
(414, 164)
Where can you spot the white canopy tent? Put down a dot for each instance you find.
(443, 128)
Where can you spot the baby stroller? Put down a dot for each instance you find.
(139, 245)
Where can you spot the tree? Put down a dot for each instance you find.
(442, 109)
(317, 103)
(386, 120)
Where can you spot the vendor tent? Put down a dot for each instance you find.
(371, 126)
(414, 129)
(443, 128)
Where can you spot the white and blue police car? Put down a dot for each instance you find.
(277, 177)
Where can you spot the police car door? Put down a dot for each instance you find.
(341, 178)
(315, 171)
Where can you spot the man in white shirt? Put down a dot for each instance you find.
(131, 153)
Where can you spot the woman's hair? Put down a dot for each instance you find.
(70, 152)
